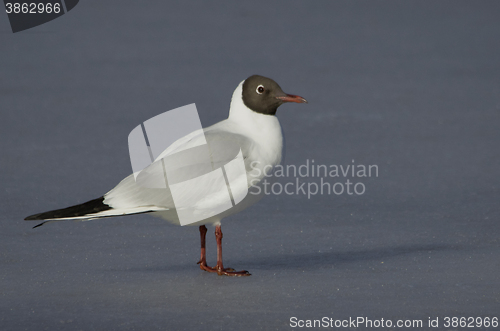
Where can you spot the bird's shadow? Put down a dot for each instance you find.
(312, 260)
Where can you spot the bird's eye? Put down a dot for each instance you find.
(260, 89)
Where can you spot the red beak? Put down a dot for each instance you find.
(292, 98)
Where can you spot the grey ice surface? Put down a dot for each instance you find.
(411, 86)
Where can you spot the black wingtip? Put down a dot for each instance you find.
(32, 217)
(39, 225)
(89, 207)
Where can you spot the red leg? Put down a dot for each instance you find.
(203, 258)
(220, 266)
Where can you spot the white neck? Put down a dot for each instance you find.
(264, 129)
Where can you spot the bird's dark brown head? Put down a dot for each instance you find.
(263, 95)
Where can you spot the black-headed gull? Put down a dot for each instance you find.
(251, 126)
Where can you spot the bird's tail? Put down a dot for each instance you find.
(86, 211)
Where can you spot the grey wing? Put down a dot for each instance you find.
(194, 159)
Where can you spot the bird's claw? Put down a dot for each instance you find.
(231, 272)
(224, 271)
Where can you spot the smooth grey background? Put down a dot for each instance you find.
(411, 86)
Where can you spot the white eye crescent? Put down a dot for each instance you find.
(260, 89)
